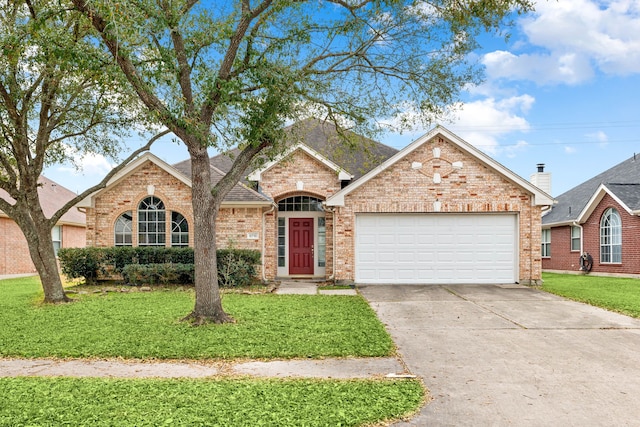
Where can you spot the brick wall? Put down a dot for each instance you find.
(14, 251)
(233, 226)
(473, 188)
(562, 259)
(280, 182)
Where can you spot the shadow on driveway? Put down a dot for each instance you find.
(513, 355)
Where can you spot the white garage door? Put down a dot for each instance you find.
(436, 248)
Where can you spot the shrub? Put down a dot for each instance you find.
(237, 267)
(153, 274)
(149, 265)
(81, 262)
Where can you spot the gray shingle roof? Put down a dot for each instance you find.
(355, 154)
(623, 180)
(239, 193)
(52, 197)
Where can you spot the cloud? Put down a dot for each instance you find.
(569, 150)
(483, 122)
(568, 41)
(86, 165)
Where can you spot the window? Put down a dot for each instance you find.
(611, 237)
(300, 204)
(281, 241)
(575, 238)
(151, 222)
(56, 236)
(179, 230)
(122, 229)
(546, 243)
(322, 242)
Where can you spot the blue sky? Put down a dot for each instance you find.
(564, 90)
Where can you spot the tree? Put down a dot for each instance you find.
(228, 73)
(55, 100)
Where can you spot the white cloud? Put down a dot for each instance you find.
(86, 165)
(569, 40)
(483, 122)
(569, 150)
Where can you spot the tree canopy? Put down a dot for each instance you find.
(225, 73)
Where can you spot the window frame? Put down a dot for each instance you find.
(574, 239)
(56, 238)
(611, 237)
(122, 220)
(152, 222)
(545, 243)
(179, 230)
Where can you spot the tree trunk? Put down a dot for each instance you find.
(38, 235)
(208, 306)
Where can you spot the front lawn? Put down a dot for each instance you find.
(147, 325)
(226, 402)
(612, 293)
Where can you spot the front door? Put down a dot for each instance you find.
(300, 246)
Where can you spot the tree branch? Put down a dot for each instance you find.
(102, 184)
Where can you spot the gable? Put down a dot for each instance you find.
(302, 172)
(441, 157)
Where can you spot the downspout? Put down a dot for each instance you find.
(264, 238)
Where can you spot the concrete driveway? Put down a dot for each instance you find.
(513, 356)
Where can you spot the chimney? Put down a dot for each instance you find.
(541, 179)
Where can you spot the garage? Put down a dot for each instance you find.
(436, 248)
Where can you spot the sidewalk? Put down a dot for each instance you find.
(119, 368)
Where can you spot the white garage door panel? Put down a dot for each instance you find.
(436, 248)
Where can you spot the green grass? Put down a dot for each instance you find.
(147, 325)
(612, 293)
(229, 402)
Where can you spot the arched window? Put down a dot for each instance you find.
(122, 229)
(152, 223)
(611, 237)
(300, 204)
(179, 230)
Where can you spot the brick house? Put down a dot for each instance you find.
(599, 217)
(70, 232)
(437, 211)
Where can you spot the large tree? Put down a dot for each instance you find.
(56, 102)
(234, 72)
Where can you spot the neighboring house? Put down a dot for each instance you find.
(70, 232)
(437, 211)
(599, 217)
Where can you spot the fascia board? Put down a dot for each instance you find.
(88, 202)
(540, 197)
(595, 199)
(342, 174)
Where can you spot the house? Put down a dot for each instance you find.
(598, 217)
(70, 232)
(437, 211)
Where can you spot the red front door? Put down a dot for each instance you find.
(300, 246)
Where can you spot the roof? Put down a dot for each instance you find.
(52, 197)
(622, 182)
(239, 194)
(539, 196)
(347, 151)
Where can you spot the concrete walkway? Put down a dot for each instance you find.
(513, 356)
(118, 368)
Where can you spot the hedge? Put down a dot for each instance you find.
(149, 265)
